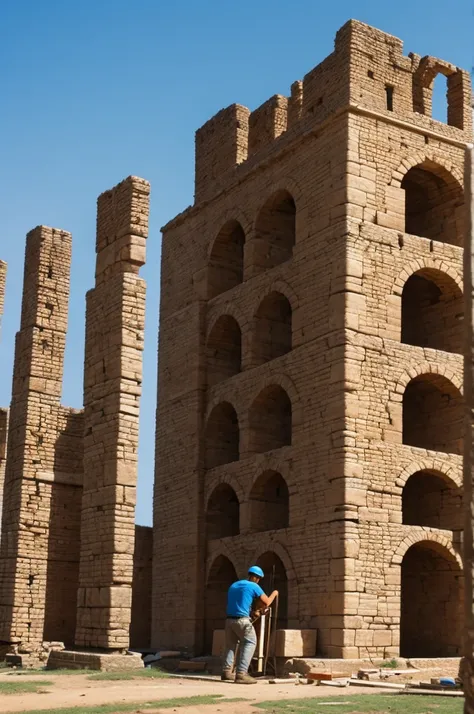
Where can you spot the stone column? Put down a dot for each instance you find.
(115, 318)
(33, 417)
(467, 664)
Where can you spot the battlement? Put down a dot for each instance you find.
(367, 70)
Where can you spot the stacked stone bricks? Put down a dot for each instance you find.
(310, 408)
(115, 321)
(3, 412)
(67, 546)
(40, 527)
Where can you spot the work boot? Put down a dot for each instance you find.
(244, 678)
(227, 675)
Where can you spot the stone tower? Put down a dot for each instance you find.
(310, 369)
(3, 411)
(40, 527)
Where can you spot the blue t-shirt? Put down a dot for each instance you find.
(241, 596)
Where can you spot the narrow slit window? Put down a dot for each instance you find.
(389, 93)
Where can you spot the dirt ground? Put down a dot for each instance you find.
(78, 691)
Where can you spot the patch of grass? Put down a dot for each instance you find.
(133, 706)
(152, 673)
(366, 704)
(389, 664)
(41, 672)
(23, 687)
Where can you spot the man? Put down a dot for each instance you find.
(242, 598)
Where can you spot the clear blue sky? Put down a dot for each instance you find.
(96, 90)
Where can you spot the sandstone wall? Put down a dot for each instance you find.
(115, 316)
(44, 458)
(252, 310)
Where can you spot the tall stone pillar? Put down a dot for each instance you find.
(467, 665)
(33, 423)
(115, 318)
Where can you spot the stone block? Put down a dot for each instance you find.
(295, 643)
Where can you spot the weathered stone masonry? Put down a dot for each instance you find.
(66, 557)
(3, 411)
(309, 414)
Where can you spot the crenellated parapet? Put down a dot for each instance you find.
(382, 81)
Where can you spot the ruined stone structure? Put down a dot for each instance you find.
(66, 557)
(3, 412)
(310, 369)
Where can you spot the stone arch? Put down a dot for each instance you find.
(222, 512)
(432, 308)
(222, 435)
(289, 185)
(429, 68)
(420, 534)
(223, 350)
(427, 368)
(272, 333)
(269, 545)
(449, 471)
(230, 215)
(414, 266)
(218, 479)
(226, 259)
(274, 234)
(431, 601)
(279, 286)
(270, 420)
(269, 502)
(433, 500)
(433, 414)
(421, 157)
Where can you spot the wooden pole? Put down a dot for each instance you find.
(467, 664)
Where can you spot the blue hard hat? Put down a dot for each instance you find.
(255, 570)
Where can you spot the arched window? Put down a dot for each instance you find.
(272, 329)
(275, 579)
(431, 499)
(433, 414)
(222, 436)
(221, 576)
(275, 231)
(224, 350)
(222, 516)
(269, 503)
(226, 264)
(431, 602)
(433, 204)
(270, 420)
(432, 311)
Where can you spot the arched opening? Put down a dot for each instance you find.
(221, 576)
(275, 231)
(269, 503)
(432, 311)
(431, 602)
(430, 499)
(432, 199)
(275, 579)
(224, 350)
(222, 515)
(226, 264)
(272, 331)
(439, 107)
(433, 414)
(270, 420)
(222, 436)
